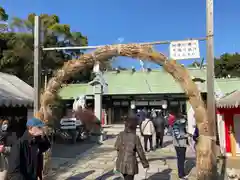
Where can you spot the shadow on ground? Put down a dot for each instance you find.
(163, 175)
(106, 175)
(167, 143)
(59, 150)
(189, 164)
(164, 159)
(71, 154)
(222, 167)
(111, 136)
(81, 176)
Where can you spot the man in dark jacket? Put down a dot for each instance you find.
(159, 123)
(24, 155)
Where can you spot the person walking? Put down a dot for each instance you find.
(24, 155)
(147, 131)
(7, 139)
(128, 145)
(159, 124)
(180, 142)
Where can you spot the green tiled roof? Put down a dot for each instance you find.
(154, 82)
(229, 85)
(73, 90)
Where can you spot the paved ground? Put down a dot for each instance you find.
(90, 161)
(98, 163)
(65, 152)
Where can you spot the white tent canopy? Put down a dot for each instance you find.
(14, 91)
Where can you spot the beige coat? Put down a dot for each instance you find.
(147, 127)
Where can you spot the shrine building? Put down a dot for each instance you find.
(149, 88)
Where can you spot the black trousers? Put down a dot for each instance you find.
(146, 139)
(128, 177)
(159, 139)
(181, 156)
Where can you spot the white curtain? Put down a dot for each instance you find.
(191, 121)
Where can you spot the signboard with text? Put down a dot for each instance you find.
(188, 49)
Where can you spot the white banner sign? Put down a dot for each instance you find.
(188, 49)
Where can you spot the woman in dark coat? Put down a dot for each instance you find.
(128, 145)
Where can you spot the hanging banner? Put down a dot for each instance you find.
(191, 121)
(80, 101)
(180, 50)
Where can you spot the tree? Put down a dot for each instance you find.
(227, 65)
(16, 55)
(3, 27)
(3, 14)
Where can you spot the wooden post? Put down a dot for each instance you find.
(206, 148)
(210, 69)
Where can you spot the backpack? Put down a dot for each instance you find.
(178, 128)
(176, 131)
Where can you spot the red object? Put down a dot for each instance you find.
(1, 148)
(103, 118)
(171, 119)
(228, 114)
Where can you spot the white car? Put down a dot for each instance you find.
(70, 123)
(73, 128)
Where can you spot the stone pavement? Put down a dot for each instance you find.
(98, 164)
(62, 153)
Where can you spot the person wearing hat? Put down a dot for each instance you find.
(25, 159)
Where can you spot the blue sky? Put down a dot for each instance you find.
(140, 21)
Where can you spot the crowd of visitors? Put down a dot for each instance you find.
(151, 123)
(21, 158)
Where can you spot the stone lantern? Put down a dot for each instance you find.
(99, 87)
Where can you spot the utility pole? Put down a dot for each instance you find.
(210, 67)
(37, 64)
(206, 157)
